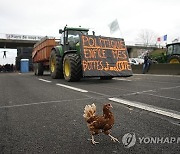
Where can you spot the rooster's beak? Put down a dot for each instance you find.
(111, 106)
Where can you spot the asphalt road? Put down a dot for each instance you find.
(44, 115)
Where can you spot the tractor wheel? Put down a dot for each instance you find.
(72, 68)
(38, 69)
(106, 77)
(55, 65)
(175, 59)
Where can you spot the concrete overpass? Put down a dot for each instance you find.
(136, 50)
(25, 43)
(14, 41)
(14, 44)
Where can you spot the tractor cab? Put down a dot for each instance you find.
(70, 37)
(173, 52)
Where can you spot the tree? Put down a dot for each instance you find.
(147, 37)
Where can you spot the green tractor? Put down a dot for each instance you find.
(65, 60)
(169, 55)
(173, 53)
(78, 55)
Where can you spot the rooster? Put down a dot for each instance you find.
(98, 124)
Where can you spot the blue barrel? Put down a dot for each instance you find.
(24, 65)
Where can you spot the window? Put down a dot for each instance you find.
(170, 50)
(73, 36)
(176, 49)
(62, 38)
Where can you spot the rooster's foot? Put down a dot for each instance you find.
(113, 138)
(93, 141)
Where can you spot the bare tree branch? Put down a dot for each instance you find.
(147, 37)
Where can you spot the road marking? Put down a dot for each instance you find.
(44, 80)
(39, 103)
(122, 79)
(139, 92)
(177, 99)
(73, 88)
(170, 88)
(158, 75)
(145, 91)
(146, 107)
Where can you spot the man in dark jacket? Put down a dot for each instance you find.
(4, 55)
(146, 64)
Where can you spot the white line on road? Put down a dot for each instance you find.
(121, 79)
(139, 92)
(73, 88)
(158, 75)
(170, 88)
(146, 107)
(39, 103)
(44, 80)
(177, 99)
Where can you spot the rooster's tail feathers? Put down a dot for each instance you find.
(89, 111)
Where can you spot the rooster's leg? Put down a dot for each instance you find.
(113, 138)
(92, 140)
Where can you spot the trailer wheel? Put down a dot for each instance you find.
(35, 68)
(38, 69)
(72, 68)
(55, 65)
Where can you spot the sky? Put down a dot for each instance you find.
(45, 17)
(10, 56)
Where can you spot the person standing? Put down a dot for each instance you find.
(146, 63)
(4, 55)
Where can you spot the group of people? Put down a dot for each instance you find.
(7, 68)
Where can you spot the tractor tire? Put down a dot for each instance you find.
(175, 59)
(72, 68)
(55, 65)
(106, 77)
(38, 69)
